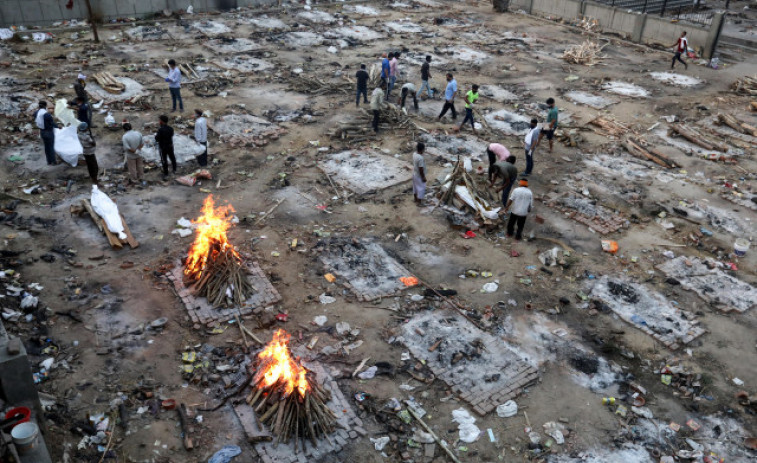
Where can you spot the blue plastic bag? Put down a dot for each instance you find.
(226, 454)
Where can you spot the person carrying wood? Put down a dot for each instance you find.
(174, 85)
(377, 103)
(521, 202)
(88, 143)
(164, 138)
(133, 143)
(681, 46)
(419, 174)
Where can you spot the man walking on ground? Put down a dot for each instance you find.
(385, 68)
(408, 89)
(419, 174)
(549, 131)
(201, 136)
(425, 77)
(46, 124)
(682, 46)
(164, 137)
(520, 204)
(507, 171)
(133, 143)
(174, 85)
(449, 97)
(533, 137)
(88, 143)
(377, 102)
(362, 85)
(470, 98)
(393, 73)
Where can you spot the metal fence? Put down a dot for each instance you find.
(692, 11)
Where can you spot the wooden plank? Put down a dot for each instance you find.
(95, 217)
(112, 239)
(129, 237)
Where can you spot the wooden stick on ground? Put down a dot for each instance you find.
(265, 216)
(441, 443)
(184, 421)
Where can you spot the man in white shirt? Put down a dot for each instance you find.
(520, 204)
(132, 141)
(201, 136)
(174, 85)
(530, 143)
(377, 103)
(419, 174)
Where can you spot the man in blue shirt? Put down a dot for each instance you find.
(385, 68)
(449, 97)
(174, 85)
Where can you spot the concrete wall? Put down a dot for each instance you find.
(640, 28)
(46, 12)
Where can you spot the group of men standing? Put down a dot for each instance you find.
(132, 140)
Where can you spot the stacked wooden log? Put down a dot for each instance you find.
(640, 150)
(391, 118)
(461, 177)
(737, 125)
(109, 83)
(587, 54)
(609, 126)
(223, 279)
(316, 86)
(697, 138)
(746, 85)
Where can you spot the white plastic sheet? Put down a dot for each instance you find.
(467, 428)
(5, 33)
(107, 209)
(67, 145)
(65, 114)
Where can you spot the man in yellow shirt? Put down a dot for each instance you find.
(470, 98)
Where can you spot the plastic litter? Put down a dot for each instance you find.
(507, 409)
(467, 428)
(610, 246)
(107, 209)
(380, 443)
(5, 33)
(490, 287)
(320, 320)
(226, 454)
(67, 145)
(369, 373)
(326, 299)
(555, 431)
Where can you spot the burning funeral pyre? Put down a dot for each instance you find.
(286, 397)
(213, 266)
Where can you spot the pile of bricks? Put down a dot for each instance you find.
(202, 313)
(495, 376)
(349, 427)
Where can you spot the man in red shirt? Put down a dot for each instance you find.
(682, 46)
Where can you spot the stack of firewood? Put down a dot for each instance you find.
(587, 54)
(316, 86)
(109, 83)
(697, 138)
(609, 127)
(185, 69)
(223, 279)
(641, 150)
(746, 85)
(359, 128)
(737, 125)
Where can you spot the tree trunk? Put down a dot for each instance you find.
(92, 21)
(501, 6)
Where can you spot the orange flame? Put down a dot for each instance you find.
(210, 237)
(278, 367)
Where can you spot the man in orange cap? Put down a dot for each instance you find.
(521, 201)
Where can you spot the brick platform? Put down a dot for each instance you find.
(349, 427)
(470, 377)
(364, 266)
(202, 312)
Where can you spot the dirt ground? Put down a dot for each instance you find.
(99, 301)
